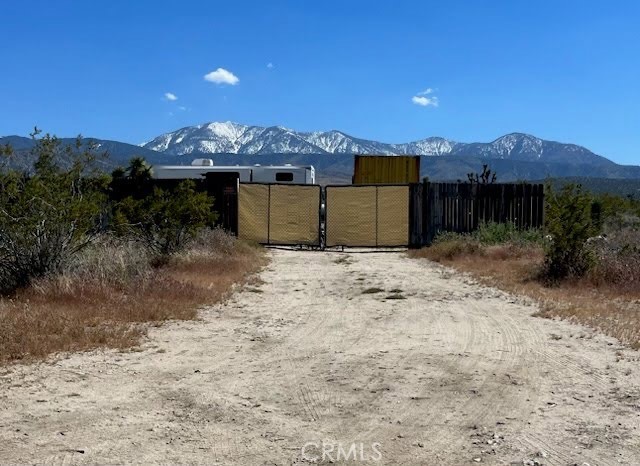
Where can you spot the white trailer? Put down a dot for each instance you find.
(290, 174)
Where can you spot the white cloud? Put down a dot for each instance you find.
(270, 65)
(425, 101)
(422, 99)
(182, 108)
(222, 76)
(170, 96)
(426, 91)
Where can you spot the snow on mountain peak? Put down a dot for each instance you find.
(227, 129)
(506, 145)
(234, 138)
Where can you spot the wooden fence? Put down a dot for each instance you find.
(462, 207)
(433, 207)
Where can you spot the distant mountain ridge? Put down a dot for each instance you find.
(235, 138)
(513, 157)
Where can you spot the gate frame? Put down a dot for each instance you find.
(369, 185)
(319, 244)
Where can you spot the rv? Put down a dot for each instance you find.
(200, 168)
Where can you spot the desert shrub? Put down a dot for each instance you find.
(448, 246)
(501, 233)
(110, 260)
(607, 206)
(512, 250)
(569, 224)
(214, 241)
(166, 220)
(109, 288)
(495, 233)
(49, 215)
(617, 258)
(499, 240)
(621, 222)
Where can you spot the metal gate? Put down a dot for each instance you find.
(367, 216)
(279, 214)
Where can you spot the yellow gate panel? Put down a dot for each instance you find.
(357, 216)
(294, 213)
(393, 215)
(351, 216)
(253, 212)
(386, 169)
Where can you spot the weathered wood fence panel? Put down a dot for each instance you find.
(463, 207)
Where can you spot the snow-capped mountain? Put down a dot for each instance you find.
(234, 138)
(513, 156)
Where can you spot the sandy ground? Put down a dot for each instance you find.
(454, 373)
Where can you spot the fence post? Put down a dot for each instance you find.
(415, 215)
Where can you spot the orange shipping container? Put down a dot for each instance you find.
(386, 169)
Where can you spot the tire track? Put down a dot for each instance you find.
(309, 357)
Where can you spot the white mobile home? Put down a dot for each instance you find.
(199, 168)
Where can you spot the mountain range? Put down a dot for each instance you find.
(234, 138)
(515, 156)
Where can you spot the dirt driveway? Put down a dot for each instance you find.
(430, 369)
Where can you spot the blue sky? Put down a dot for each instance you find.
(567, 71)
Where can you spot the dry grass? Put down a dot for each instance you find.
(452, 249)
(617, 258)
(108, 297)
(610, 307)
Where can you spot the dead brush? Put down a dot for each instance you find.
(607, 299)
(109, 261)
(449, 248)
(617, 260)
(108, 294)
(213, 241)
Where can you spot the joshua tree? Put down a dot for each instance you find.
(139, 169)
(486, 177)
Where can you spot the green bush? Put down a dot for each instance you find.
(569, 224)
(165, 220)
(500, 233)
(48, 216)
